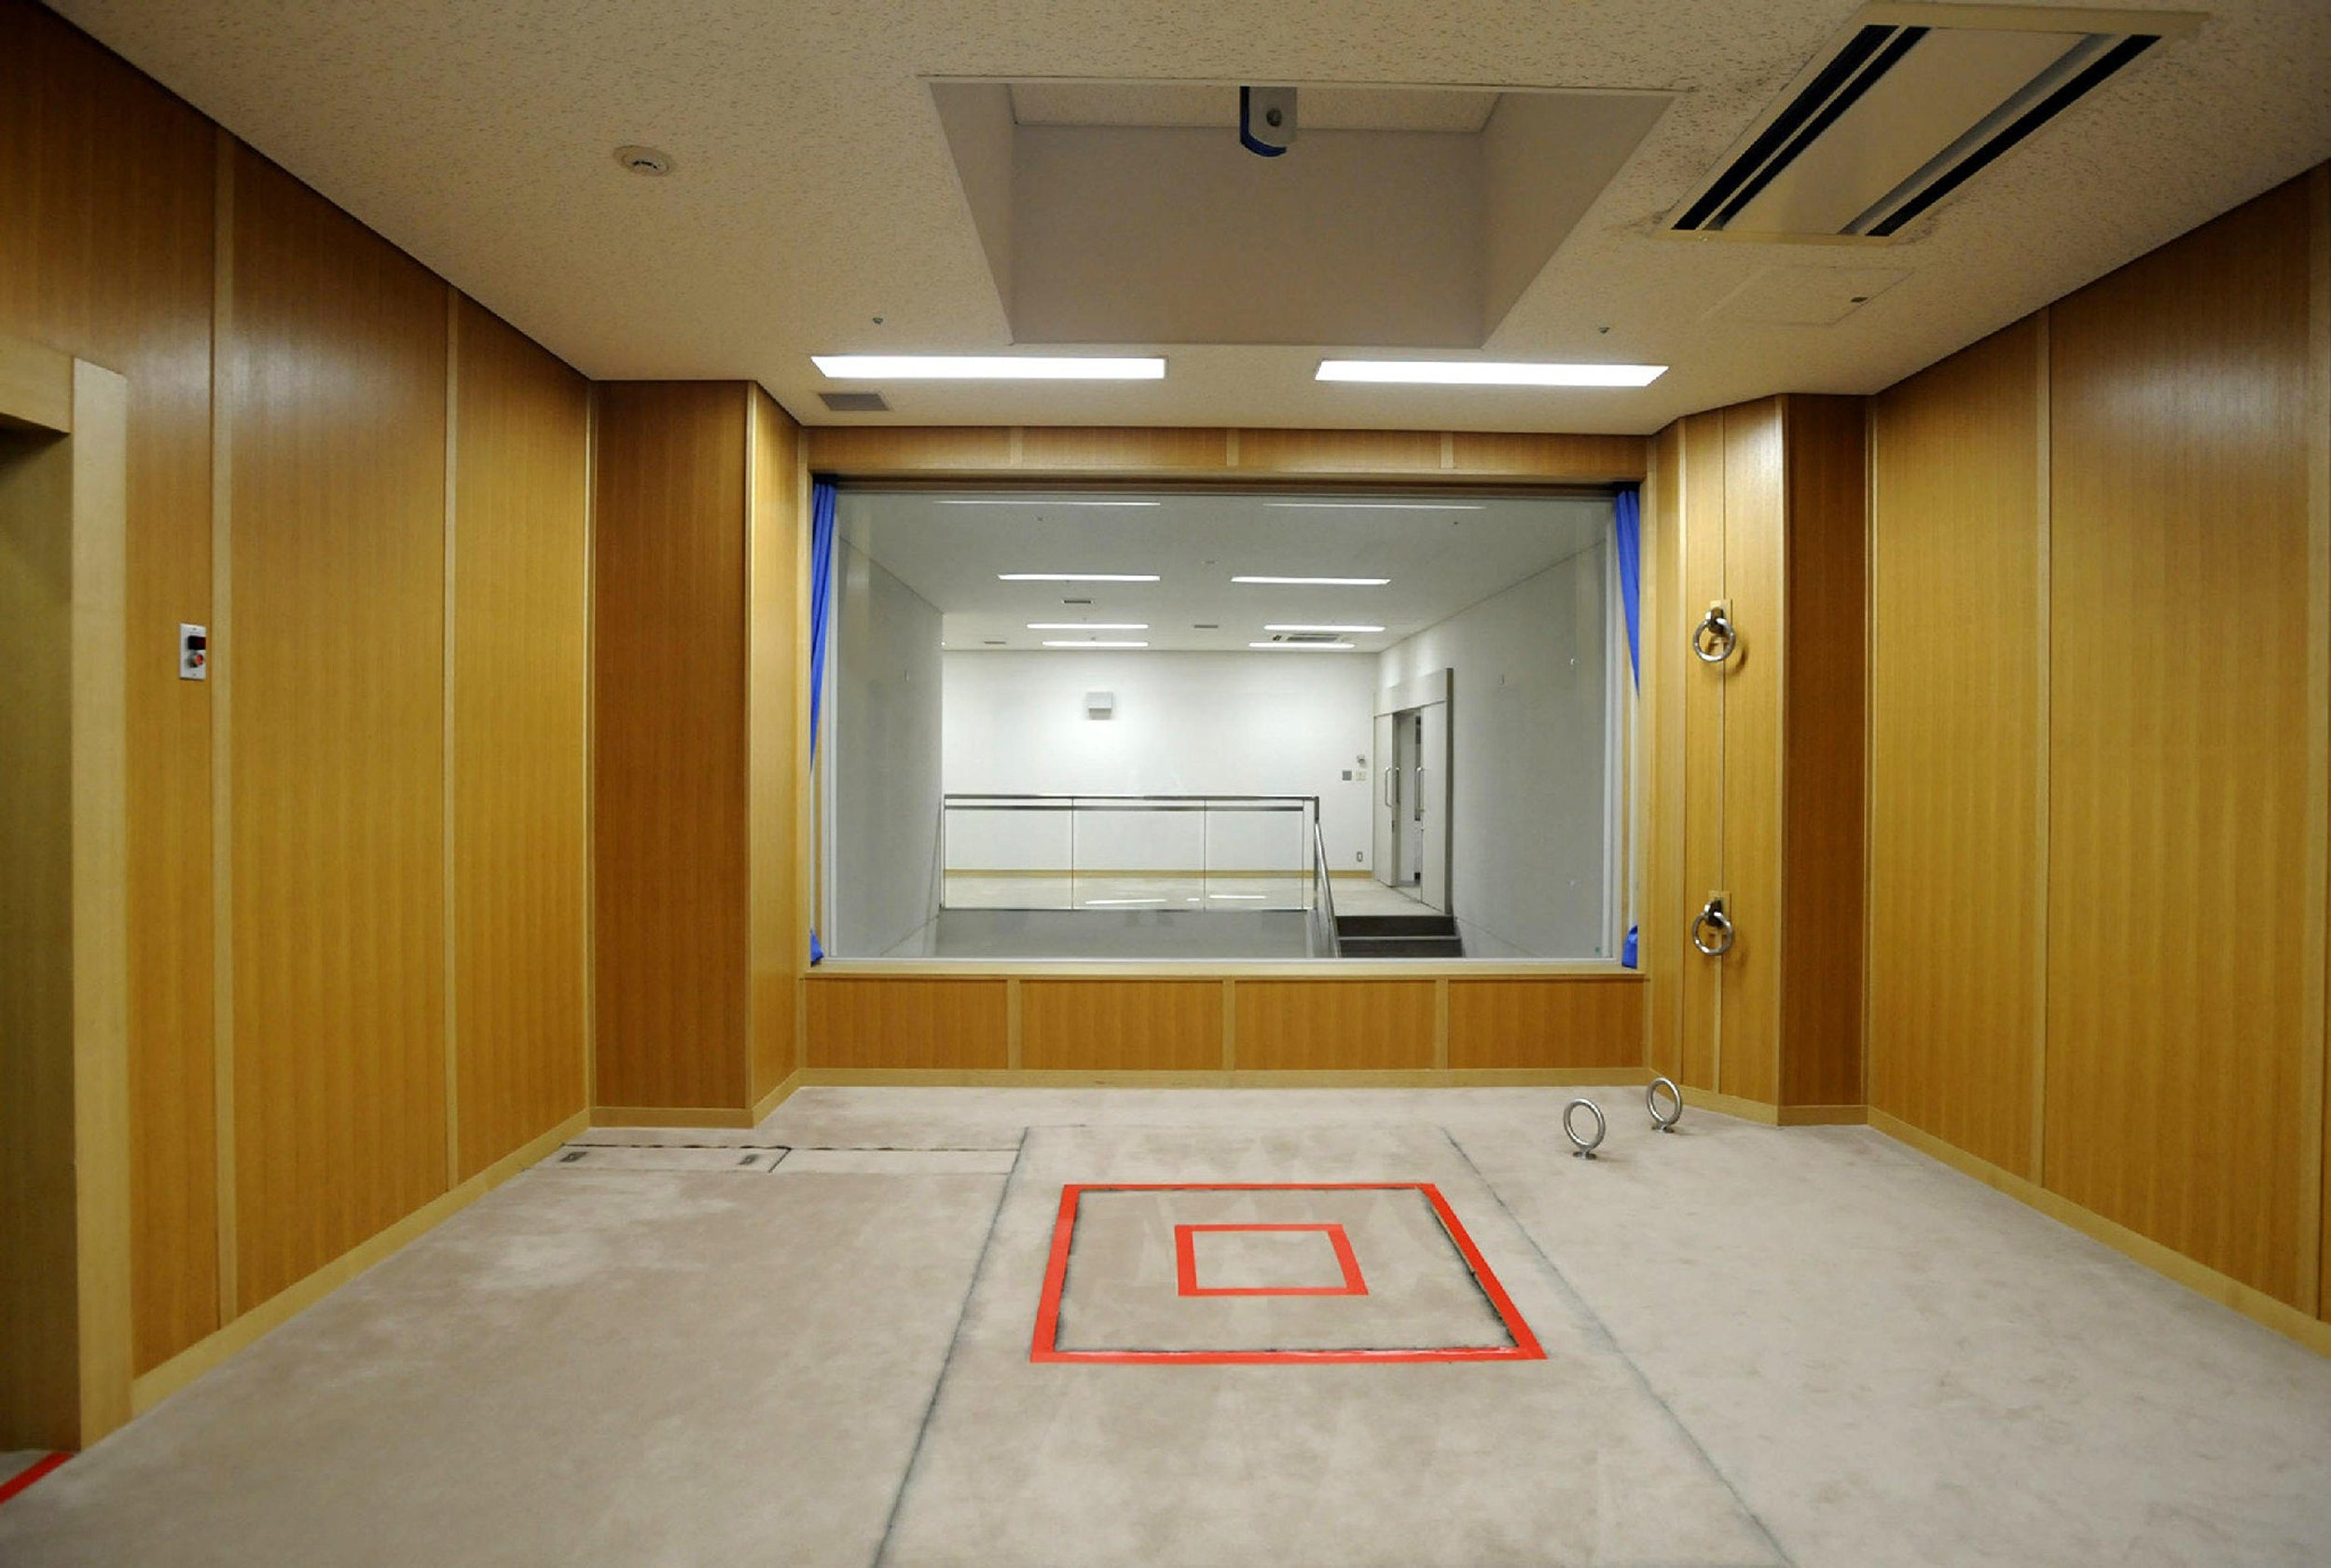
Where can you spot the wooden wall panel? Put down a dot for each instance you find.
(1546, 1023)
(520, 678)
(1585, 458)
(1957, 878)
(1338, 1026)
(1404, 452)
(953, 1025)
(1665, 668)
(105, 234)
(336, 369)
(1173, 1026)
(669, 794)
(910, 450)
(1755, 521)
(1144, 450)
(1822, 870)
(1702, 741)
(777, 738)
(2184, 912)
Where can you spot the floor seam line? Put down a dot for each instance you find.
(971, 1289)
(1602, 1328)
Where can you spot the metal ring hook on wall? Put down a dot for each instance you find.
(1712, 917)
(1715, 637)
(1585, 1146)
(1651, 1103)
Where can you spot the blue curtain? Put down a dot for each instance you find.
(1629, 528)
(820, 619)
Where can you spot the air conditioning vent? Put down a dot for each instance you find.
(1302, 637)
(1905, 106)
(854, 403)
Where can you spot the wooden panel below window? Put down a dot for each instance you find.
(909, 1023)
(1546, 1023)
(1335, 1025)
(1121, 1025)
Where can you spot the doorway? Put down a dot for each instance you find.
(1411, 802)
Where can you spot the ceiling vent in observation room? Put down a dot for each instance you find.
(1300, 639)
(854, 403)
(1904, 106)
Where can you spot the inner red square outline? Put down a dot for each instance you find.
(1047, 1343)
(1186, 1264)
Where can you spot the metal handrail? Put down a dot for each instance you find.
(1074, 805)
(1287, 802)
(1323, 888)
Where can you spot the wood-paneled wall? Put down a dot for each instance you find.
(1957, 751)
(2103, 595)
(336, 377)
(106, 253)
(778, 740)
(670, 798)
(521, 784)
(1756, 780)
(1198, 1028)
(987, 451)
(309, 946)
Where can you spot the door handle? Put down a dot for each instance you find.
(1392, 787)
(1712, 917)
(1715, 637)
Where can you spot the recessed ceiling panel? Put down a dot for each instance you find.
(1453, 111)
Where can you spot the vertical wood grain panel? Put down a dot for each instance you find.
(1754, 563)
(1546, 1023)
(909, 1023)
(518, 682)
(1702, 741)
(774, 721)
(669, 803)
(1662, 955)
(2179, 928)
(1343, 1024)
(105, 234)
(1121, 1025)
(336, 369)
(1957, 878)
(1822, 873)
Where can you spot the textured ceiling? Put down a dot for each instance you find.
(814, 192)
(950, 549)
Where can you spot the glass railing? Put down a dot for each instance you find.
(1222, 853)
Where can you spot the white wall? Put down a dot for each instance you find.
(886, 759)
(1529, 779)
(1256, 723)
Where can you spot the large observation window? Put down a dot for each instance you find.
(1213, 725)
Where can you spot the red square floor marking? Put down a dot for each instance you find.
(1047, 1343)
(1186, 1264)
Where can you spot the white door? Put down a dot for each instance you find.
(1384, 859)
(1431, 815)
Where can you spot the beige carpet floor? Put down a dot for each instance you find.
(1811, 1347)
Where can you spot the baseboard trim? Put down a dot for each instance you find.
(2225, 1290)
(776, 1097)
(1731, 1105)
(1821, 1116)
(1217, 1077)
(672, 1115)
(153, 1387)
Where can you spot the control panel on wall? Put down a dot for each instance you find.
(194, 652)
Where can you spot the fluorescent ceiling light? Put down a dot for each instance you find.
(1076, 577)
(1318, 582)
(1318, 647)
(1254, 896)
(1045, 500)
(1097, 645)
(1097, 903)
(1321, 628)
(1088, 626)
(1488, 372)
(986, 367)
(1379, 505)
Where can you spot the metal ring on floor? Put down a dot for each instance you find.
(1651, 1103)
(1586, 1148)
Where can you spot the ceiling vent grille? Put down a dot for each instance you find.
(854, 403)
(1904, 107)
(1305, 636)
